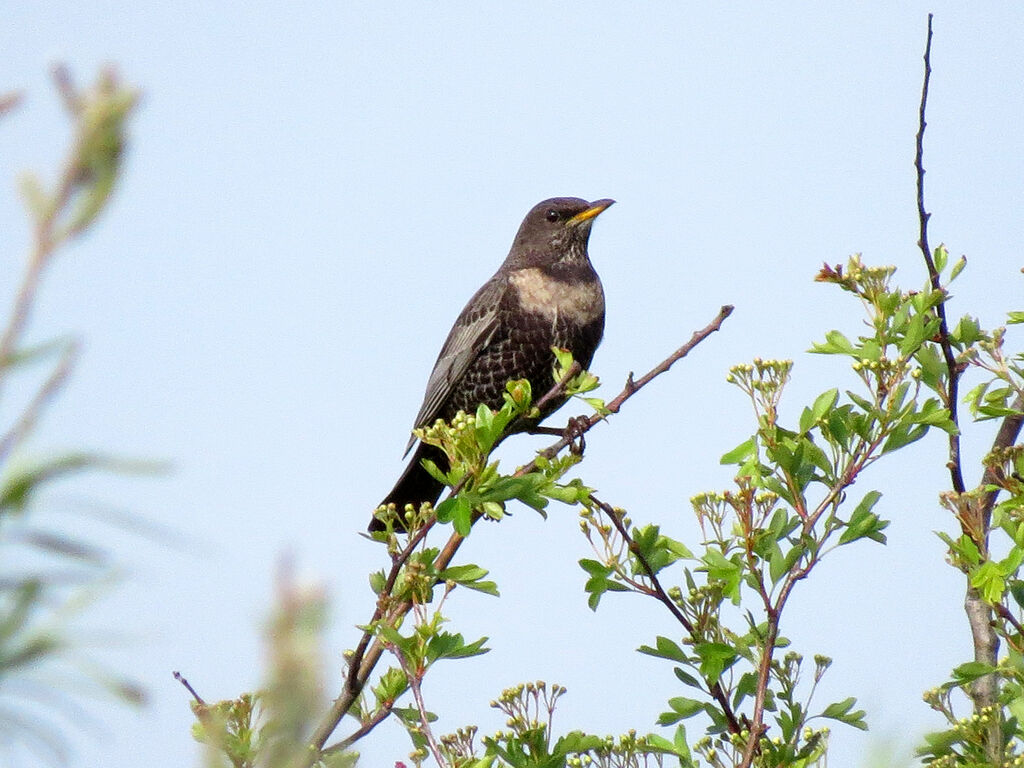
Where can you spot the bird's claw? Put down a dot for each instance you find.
(574, 432)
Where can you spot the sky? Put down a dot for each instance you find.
(313, 191)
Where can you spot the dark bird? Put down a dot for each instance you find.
(546, 294)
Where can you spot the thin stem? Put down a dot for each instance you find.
(378, 718)
(188, 687)
(417, 694)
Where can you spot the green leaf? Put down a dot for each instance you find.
(843, 712)
(971, 671)
(939, 742)
(677, 747)
(715, 658)
(988, 580)
(838, 428)
(739, 455)
(434, 471)
(686, 678)
(823, 403)
(462, 519)
(594, 568)
(903, 435)
(572, 742)
(563, 359)
(932, 366)
(682, 708)
(1016, 707)
(392, 636)
(460, 574)
(599, 583)
(445, 511)
(865, 523)
(471, 577)
(835, 344)
(664, 649)
(916, 333)
(725, 571)
(967, 331)
(446, 645)
(957, 268)
(746, 687)
(780, 564)
(484, 427)
(1017, 591)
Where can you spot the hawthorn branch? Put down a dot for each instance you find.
(369, 650)
(659, 593)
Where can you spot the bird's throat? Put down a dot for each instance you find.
(577, 297)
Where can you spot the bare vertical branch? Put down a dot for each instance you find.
(952, 392)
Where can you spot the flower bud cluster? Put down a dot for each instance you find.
(762, 375)
(883, 365)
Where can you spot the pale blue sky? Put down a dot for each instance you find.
(314, 190)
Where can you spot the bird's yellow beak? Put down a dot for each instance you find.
(595, 208)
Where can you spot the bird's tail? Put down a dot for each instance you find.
(415, 485)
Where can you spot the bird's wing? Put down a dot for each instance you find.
(472, 332)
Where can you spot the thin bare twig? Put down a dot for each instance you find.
(188, 687)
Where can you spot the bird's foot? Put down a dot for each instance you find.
(574, 432)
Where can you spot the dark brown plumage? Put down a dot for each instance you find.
(545, 294)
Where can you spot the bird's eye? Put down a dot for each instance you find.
(551, 215)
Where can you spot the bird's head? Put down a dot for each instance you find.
(555, 230)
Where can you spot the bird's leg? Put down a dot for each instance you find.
(572, 432)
